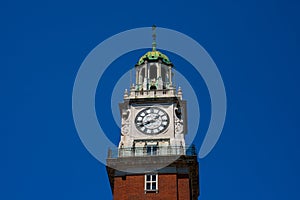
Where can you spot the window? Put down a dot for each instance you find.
(151, 150)
(151, 182)
(153, 72)
(164, 74)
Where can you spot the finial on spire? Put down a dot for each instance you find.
(153, 37)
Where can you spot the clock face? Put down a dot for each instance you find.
(152, 120)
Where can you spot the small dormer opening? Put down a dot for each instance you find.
(153, 87)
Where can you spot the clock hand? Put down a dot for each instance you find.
(153, 119)
(147, 122)
(156, 117)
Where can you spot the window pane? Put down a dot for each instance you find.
(148, 178)
(154, 150)
(153, 186)
(153, 177)
(148, 186)
(149, 151)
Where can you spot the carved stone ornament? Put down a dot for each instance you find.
(178, 122)
(125, 122)
(125, 128)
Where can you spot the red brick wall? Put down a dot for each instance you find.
(170, 187)
(183, 187)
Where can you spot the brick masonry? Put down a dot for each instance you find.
(170, 186)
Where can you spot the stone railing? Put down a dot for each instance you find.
(151, 151)
(151, 93)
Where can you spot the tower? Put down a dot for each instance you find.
(152, 160)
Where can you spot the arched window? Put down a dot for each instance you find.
(142, 75)
(153, 72)
(164, 74)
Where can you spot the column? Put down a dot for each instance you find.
(137, 76)
(148, 75)
(170, 75)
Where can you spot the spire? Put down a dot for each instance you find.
(153, 37)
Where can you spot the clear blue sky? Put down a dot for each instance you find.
(254, 43)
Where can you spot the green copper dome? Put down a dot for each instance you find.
(154, 56)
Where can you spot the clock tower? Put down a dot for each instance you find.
(152, 160)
